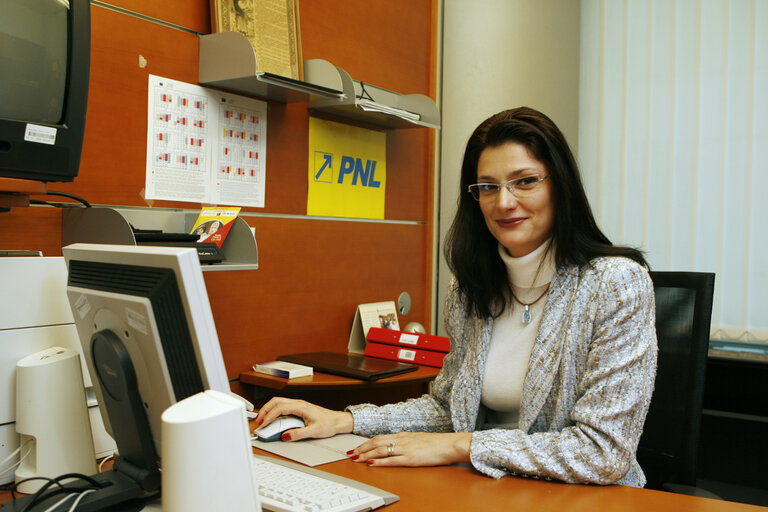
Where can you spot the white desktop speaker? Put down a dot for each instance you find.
(207, 460)
(52, 417)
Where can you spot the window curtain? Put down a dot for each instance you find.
(673, 142)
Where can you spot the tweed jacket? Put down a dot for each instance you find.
(586, 392)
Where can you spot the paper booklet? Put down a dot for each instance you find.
(377, 314)
(213, 224)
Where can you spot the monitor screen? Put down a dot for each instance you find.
(33, 56)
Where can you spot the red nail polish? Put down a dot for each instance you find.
(350, 452)
(355, 457)
(369, 462)
(259, 424)
(286, 436)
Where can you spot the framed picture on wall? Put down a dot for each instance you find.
(272, 27)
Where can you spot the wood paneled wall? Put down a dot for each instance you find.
(312, 272)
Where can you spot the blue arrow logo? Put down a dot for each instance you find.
(327, 163)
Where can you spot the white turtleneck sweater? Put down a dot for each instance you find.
(511, 339)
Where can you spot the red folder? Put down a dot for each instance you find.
(409, 339)
(406, 355)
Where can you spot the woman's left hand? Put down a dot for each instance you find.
(414, 449)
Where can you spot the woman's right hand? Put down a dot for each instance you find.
(320, 422)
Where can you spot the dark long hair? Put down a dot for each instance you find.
(472, 251)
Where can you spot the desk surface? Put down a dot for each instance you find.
(461, 488)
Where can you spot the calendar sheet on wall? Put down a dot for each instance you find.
(205, 146)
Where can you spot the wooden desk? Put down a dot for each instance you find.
(461, 488)
(337, 392)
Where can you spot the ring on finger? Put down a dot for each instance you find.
(390, 449)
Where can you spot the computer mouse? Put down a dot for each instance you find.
(274, 431)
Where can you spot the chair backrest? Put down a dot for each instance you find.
(668, 447)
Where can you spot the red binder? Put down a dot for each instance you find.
(409, 339)
(406, 355)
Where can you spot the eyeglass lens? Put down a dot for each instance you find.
(519, 187)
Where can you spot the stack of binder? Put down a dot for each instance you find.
(408, 347)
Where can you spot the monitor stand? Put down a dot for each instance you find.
(16, 192)
(135, 475)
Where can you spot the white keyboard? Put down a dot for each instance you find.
(288, 487)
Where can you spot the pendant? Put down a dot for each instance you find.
(526, 315)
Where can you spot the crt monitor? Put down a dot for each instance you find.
(44, 65)
(149, 340)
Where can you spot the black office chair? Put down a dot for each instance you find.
(669, 444)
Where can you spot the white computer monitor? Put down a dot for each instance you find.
(145, 324)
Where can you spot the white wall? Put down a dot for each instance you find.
(500, 54)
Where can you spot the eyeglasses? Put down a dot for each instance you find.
(519, 187)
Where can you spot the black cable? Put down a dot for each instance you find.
(55, 205)
(79, 476)
(15, 485)
(71, 196)
(35, 497)
(41, 495)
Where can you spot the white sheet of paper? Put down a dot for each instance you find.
(313, 452)
(205, 146)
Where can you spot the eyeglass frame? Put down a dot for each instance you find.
(506, 185)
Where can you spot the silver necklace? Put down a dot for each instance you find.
(527, 311)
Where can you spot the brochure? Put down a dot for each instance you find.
(213, 224)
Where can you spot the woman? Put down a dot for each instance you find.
(553, 345)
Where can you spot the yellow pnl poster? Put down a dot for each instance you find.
(347, 170)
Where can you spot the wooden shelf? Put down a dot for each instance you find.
(16, 192)
(337, 392)
(112, 225)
